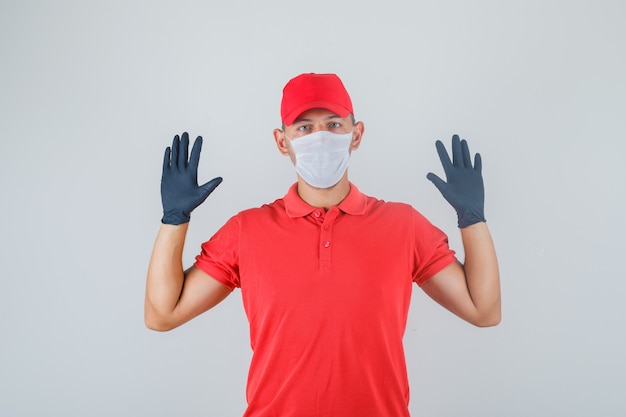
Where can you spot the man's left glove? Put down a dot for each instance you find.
(180, 193)
(464, 190)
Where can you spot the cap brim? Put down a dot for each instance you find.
(335, 108)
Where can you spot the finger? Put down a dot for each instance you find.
(438, 182)
(443, 156)
(467, 158)
(194, 160)
(183, 153)
(211, 185)
(166, 159)
(175, 148)
(457, 153)
(478, 163)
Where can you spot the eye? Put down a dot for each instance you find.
(334, 125)
(304, 128)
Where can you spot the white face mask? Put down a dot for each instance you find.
(322, 157)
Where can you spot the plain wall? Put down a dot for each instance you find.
(91, 93)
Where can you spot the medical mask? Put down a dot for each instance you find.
(322, 157)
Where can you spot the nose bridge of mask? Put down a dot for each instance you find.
(319, 139)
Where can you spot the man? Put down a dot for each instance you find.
(326, 272)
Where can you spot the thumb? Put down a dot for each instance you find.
(210, 186)
(438, 182)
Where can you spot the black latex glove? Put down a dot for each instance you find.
(464, 188)
(180, 193)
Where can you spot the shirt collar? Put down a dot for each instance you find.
(354, 203)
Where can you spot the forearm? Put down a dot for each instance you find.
(165, 271)
(482, 273)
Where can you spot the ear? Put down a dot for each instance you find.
(281, 142)
(357, 135)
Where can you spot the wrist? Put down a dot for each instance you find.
(175, 218)
(468, 217)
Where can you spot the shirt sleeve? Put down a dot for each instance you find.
(430, 249)
(219, 256)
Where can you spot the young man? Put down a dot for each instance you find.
(326, 272)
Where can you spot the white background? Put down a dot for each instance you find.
(91, 93)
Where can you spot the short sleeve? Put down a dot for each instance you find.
(219, 256)
(430, 249)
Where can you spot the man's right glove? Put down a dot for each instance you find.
(180, 193)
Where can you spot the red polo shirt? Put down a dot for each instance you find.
(327, 296)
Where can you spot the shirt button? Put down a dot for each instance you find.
(326, 244)
(326, 227)
(317, 214)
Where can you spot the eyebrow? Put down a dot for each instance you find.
(332, 116)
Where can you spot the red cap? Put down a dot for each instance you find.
(311, 91)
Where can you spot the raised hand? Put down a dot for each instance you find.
(464, 189)
(180, 193)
